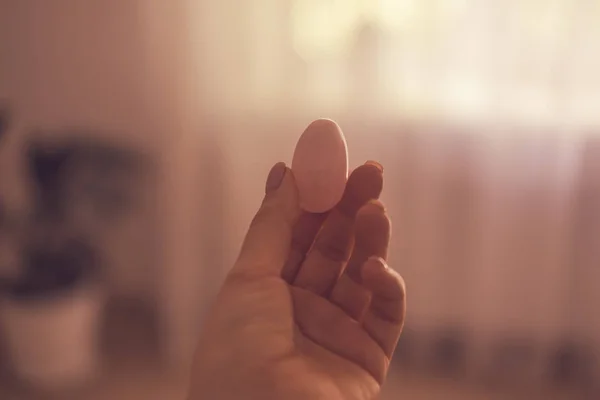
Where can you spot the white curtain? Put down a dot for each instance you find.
(481, 112)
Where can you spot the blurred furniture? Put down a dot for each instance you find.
(53, 308)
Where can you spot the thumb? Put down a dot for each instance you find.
(267, 243)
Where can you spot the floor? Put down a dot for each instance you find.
(127, 384)
(132, 373)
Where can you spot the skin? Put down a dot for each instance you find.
(310, 309)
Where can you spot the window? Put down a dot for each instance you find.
(521, 60)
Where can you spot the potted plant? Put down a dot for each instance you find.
(52, 313)
(52, 307)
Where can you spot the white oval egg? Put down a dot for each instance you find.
(320, 166)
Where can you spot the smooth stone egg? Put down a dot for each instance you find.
(320, 166)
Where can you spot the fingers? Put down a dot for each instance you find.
(372, 236)
(333, 244)
(373, 230)
(328, 326)
(267, 243)
(303, 235)
(352, 297)
(385, 317)
(358, 187)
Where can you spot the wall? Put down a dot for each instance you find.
(124, 69)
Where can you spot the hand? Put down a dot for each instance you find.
(310, 309)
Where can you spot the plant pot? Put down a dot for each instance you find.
(53, 342)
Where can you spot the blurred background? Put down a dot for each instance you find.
(135, 138)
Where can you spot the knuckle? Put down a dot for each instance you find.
(335, 244)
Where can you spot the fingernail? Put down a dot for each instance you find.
(379, 261)
(275, 177)
(375, 164)
(376, 203)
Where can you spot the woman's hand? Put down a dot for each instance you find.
(310, 310)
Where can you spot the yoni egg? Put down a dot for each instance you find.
(320, 166)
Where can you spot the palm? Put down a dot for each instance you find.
(327, 327)
(320, 361)
(278, 340)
